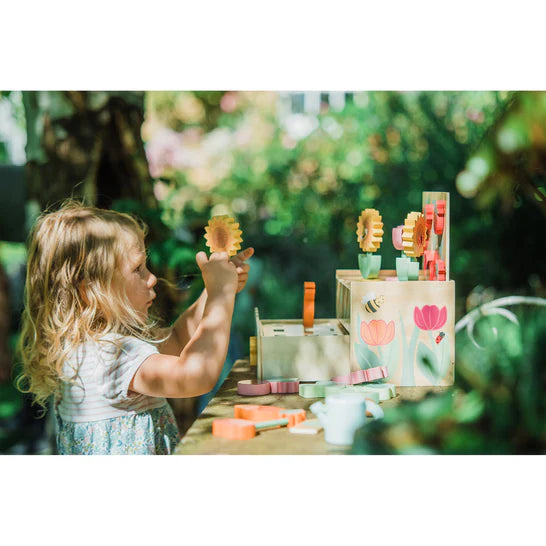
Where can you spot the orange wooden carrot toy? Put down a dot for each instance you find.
(249, 418)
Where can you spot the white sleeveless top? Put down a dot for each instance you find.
(100, 389)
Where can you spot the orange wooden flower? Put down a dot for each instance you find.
(377, 332)
(369, 230)
(414, 235)
(222, 235)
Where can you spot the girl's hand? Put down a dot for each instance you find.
(219, 274)
(242, 269)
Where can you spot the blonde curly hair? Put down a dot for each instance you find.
(74, 291)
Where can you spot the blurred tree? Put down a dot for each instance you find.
(504, 177)
(510, 162)
(86, 144)
(10, 115)
(5, 356)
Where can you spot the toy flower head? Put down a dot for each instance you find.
(429, 317)
(222, 235)
(369, 230)
(414, 234)
(377, 332)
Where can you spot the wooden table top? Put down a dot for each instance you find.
(199, 440)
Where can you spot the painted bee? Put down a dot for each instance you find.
(439, 337)
(371, 303)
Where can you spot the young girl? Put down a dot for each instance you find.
(86, 337)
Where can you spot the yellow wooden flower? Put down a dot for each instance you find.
(414, 235)
(369, 230)
(222, 235)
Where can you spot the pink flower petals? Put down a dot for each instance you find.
(429, 317)
(377, 332)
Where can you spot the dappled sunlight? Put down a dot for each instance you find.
(296, 170)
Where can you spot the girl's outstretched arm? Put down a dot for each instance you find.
(199, 364)
(184, 327)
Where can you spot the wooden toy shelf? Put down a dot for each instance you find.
(407, 326)
(285, 349)
(404, 330)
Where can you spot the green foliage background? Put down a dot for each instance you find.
(298, 200)
(297, 182)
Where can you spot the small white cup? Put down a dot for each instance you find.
(343, 414)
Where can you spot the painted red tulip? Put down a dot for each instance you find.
(377, 332)
(429, 317)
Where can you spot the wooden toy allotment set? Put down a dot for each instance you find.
(395, 324)
(399, 322)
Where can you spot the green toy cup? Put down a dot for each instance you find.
(407, 269)
(413, 271)
(369, 265)
(402, 268)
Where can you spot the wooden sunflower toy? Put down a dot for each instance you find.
(414, 242)
(222, 235)
(369, 234)
(369, 230)
(414, 235)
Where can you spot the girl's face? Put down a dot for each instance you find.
(139, 281)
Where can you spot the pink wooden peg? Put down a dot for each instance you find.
(429, 256)
(439, 222)
(429, 219)
(429, 215)
(441, 270)
(432, 270)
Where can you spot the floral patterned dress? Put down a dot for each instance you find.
(150, 432)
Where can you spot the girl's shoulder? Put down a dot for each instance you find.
(123, 342)
(124, 348)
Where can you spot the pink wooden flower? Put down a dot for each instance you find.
(397, 237)
(429, 317)
(377, 332)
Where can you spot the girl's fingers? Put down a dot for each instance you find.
(218, 256)
(245, 254)
(201, 259)
(245, 268)
(241, 284)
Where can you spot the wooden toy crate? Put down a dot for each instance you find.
(410, 329)
(284, 349)
(412, 332)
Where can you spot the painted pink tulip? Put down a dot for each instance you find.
(429, 317)
(377, 332)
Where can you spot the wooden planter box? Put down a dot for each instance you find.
(412, 332)
(284, 349)
(404, 334)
